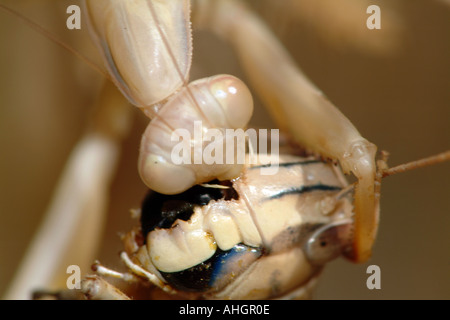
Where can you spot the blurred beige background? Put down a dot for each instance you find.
(393, 84)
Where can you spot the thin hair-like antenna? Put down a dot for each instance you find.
(416, 164)
(432, 160)
(36, 27)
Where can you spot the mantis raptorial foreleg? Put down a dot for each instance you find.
(147, 49)
(301, 108)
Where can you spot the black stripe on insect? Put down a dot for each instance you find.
(286, 164)
(303, 189)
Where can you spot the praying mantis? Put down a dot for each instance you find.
(368, 99)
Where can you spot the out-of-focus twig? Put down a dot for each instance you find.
(72, 227)
(342, 23)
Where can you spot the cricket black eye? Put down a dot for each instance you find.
(161, 211)
(216, 272)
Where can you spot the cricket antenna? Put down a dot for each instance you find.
(384, 171)
(432, 160)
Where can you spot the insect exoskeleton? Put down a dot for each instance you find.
(216, 103)
(256, 237)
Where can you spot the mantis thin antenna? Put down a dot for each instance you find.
(35, 26)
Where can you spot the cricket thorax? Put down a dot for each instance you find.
(210, 239)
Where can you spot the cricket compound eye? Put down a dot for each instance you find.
(216, 272)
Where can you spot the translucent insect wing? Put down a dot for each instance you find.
(147, 45)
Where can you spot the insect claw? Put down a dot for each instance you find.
(145, 274)
(95, 288)
(94, 266)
